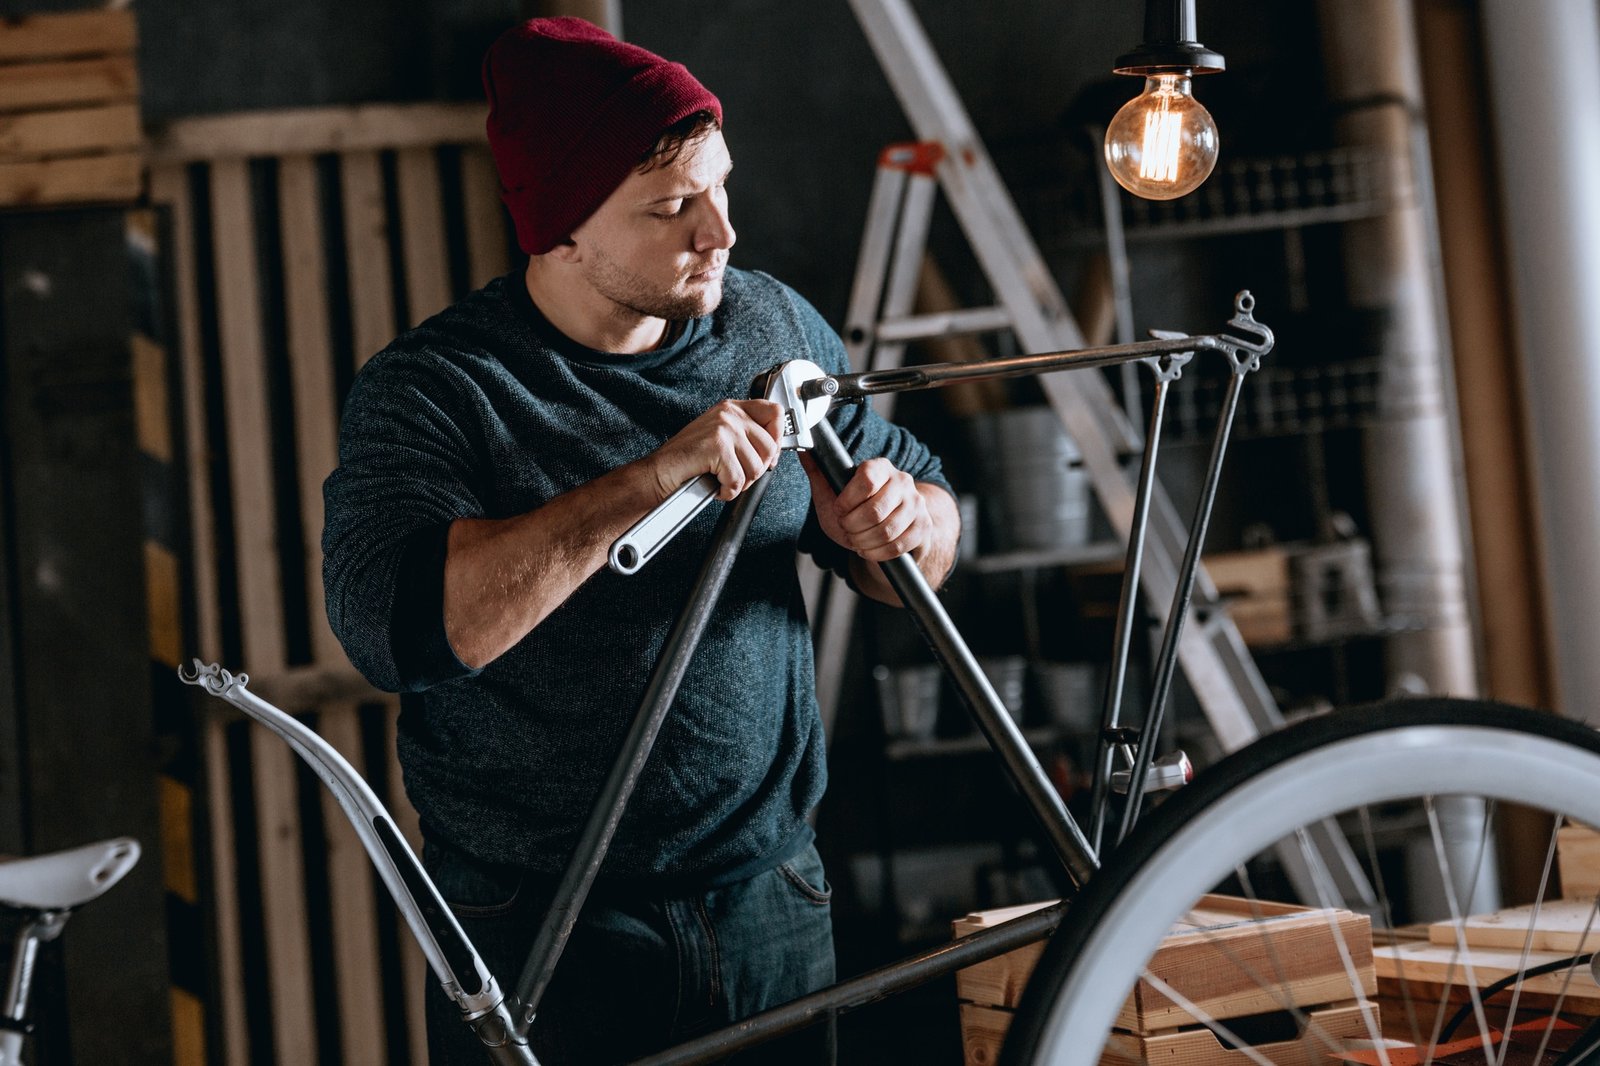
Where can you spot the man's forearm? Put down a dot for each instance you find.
(934, 559)
(504, 576)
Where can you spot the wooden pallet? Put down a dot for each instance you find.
(1214, 957)
(69, 109)
(251, 201)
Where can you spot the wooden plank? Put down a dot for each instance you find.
(983, 1031)
(998, 981)
(244, 390)
(1444, 965)
(484, 217)
(1216, 955)
(177, 840)
(427, 264)
(234, 1025)
(77, 33)
(1200, 1047)
(1578, 853)
(1414, 1022)
(1230, 965)
(366, 238)
(99, 128)
(169, 187)
(357, 968)
(111, 178)
(103, 79)
(188, 1029)
(1568, 925)
(150, 401)
(283, 898)
(1489, 387)
(413, 965)
(310, 131)
(305, 282)
(163, 587)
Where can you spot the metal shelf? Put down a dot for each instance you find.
(1281, 401)
(1241, 196)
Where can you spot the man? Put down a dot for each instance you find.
(488, 459)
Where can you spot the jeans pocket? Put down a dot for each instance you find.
(473, 889)
(804, 873)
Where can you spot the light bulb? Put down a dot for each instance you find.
(1162, 143)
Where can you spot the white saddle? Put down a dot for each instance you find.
(65, 879)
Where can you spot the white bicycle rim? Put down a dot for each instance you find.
(1392, 764)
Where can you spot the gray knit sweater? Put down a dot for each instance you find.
(486, 411)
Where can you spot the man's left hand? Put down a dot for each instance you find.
(880, 515)
(884, 513)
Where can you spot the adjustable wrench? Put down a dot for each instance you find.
(782, 385)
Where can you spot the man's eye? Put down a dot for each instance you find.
(671, 210)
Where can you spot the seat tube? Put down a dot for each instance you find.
(13, 1011)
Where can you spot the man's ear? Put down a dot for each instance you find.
(565, 251)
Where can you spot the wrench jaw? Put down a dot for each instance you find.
(782, 385)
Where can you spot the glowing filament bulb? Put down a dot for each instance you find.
(1162, 143)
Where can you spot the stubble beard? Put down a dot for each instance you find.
(631, 292)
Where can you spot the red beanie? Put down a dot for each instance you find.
(572, 111)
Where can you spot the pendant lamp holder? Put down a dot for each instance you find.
(1169, 43)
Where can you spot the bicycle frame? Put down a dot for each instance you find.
(502, 1024)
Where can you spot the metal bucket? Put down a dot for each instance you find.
(1036, 492)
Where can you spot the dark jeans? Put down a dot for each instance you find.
(642, 973)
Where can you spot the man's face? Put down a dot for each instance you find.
(658, 245)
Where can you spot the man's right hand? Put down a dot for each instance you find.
(736, 442)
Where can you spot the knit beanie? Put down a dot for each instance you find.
(572, 111)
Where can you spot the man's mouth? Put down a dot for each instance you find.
(710, 273)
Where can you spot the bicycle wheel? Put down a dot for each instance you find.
(1389, 776)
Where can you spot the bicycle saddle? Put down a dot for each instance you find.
(61, 880)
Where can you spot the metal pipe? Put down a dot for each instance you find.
(606, 813)
(868, 988)
(1068, 841)
(1418, 529)
(846, 387)
(1167, 661)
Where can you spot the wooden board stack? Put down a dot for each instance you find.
(69, 109)
(1214, 958)
(1421, 965)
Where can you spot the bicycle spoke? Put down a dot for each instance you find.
(1527, 951)
(1458, 923)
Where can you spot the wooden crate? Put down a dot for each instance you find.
(1255, 586)
(69, 109)
(1213, 956)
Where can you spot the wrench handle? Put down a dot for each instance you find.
(650, 534)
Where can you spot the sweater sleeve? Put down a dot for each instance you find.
(403, 478)
(864, 433)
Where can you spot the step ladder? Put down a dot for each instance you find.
(950, 158)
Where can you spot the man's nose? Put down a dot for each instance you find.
(716, 231)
